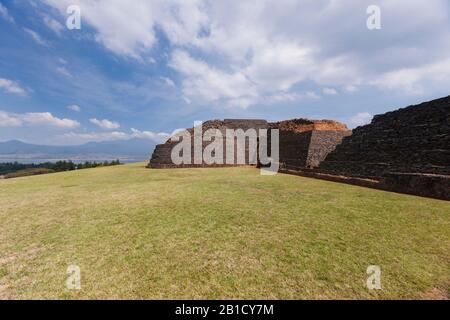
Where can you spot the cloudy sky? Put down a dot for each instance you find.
(145, 67)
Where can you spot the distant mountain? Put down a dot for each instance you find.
(122, 149)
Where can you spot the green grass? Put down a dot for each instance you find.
(216, 233)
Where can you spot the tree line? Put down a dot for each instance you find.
(59, 166)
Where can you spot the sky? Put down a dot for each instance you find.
(143, 68)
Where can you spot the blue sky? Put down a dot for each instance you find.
(145, 68)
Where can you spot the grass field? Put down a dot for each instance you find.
(216, 233)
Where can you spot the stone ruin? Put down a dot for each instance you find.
(161, 157)
(406, 151)
(303, 143)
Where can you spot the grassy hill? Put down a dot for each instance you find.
(216, 233)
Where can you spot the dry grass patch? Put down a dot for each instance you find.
(215, 233)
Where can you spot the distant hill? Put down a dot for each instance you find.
(121, 149)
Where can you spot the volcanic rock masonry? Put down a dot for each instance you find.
(406, 151)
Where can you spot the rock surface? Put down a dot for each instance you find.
(305, 125)
(161, 157)
(407, 150)
(415, 139)
(305, 143)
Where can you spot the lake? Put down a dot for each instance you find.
(37, 161)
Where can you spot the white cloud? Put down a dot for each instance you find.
(415, 80)
(290, 97)
(155, 136)
(168, 81)
(6, 120)
(36, 37)
(53, 24)
(74, 107)
(63, 71)
(212, 84)
(12, 86)
(105, 124)
(330, 91)
(351, 88)
(181, 21)
(5, 14)
(253, 50)
(361, 119)
(280, 66)
(47, 118)
(84, 137)
(36, 118)
(312, 95)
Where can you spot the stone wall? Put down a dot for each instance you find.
(294, 149)
(305, 143)
(161, 157)
(415, 139)
(322, 143)
(304, 125)
(420, 184)
(405, 151)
